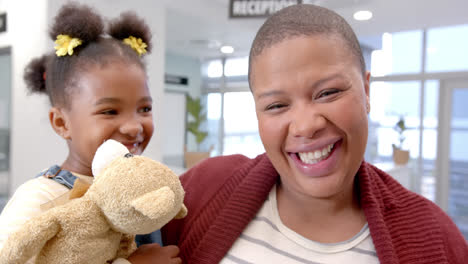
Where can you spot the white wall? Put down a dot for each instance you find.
(172, 129)
(187, 67)
(190, 68)
(34, 145)
(30, 139)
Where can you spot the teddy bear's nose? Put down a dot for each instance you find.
(128, 155)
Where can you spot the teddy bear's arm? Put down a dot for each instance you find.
(127, 246)
(182, 213)
(29, 240)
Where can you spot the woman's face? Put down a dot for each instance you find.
(312, 102)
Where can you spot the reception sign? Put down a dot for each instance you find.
(257, 8)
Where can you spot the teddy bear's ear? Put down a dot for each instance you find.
(106, 153)
(156, 204)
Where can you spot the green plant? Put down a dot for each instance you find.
(196, 117)
(400, 128)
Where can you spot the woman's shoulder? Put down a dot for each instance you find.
(411, 215)
(381, 188)
(202, 182)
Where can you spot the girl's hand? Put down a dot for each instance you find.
(154, 254)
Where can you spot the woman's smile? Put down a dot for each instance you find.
(317, 163)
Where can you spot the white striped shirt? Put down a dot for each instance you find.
(267, 240)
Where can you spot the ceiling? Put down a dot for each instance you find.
(197, 28)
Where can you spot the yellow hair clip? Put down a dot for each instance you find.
(66, 44)
(136, 44)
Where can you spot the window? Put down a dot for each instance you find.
(237, 66)
(240, 125)
(406, 52)
(214, 69)
(459, 149)
(213, 102)
(447, 49)
(400, 54)
(390, 101)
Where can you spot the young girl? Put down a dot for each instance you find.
(97, 85)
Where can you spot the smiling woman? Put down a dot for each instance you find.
(311, 198)
(308, 99)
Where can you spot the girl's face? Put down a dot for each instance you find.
(311, 102)
(111, 102)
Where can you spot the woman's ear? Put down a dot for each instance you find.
(59, 121)
(366, 87)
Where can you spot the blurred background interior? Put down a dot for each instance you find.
(417, 52)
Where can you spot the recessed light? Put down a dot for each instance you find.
(363, 15)
(227, 49)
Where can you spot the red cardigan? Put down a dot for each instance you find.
(223, 194)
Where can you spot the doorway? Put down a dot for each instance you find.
(452, 180)
(5, 112)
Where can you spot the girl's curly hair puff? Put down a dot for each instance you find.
(129, 24)
(35, 75)
(77, 21)
(62, 74)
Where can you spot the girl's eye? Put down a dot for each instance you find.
(109, 112)
(145, 109)
(328, 93)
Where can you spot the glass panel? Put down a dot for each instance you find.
(236, 66)
(401, 53)
(390, 100)
(431, 101)
(459, 146)
(406, 52)
(446, 49)
(213, 113)
(458, 196)
(214, 69)
(385, 140)
(240, 125)
(388, 136)
(429, 152)
(429, 137)
(459, 109)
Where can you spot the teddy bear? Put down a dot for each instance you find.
(130, 195)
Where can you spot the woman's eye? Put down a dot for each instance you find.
(145, 109)
(328, 93)
(109, 112)
(275, 107)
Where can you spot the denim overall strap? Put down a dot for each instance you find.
(63, 177)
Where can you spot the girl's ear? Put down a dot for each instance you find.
(59, 121)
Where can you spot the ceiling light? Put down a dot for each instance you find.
(227, 49)
(363, 15)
